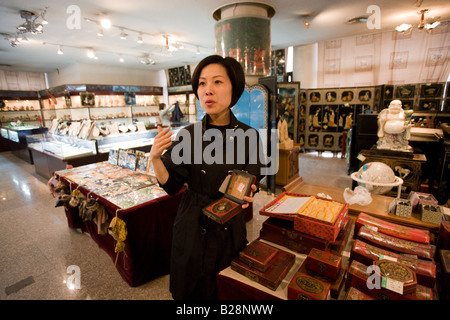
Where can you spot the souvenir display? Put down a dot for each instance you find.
(322, 218)
(258, 255)
(275, 273)
(392, 229)
(237, 186)
(137, 197)
(421, 250)
(365, 253)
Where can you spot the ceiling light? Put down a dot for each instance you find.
(91, 53)
(123, 35)
(100, 32)
(121, 59)
(403, 27)
(106, 23)
(306, 24)
(407, 28)
(59, 51)
(198, 51)
(139, 39)
(31, 24)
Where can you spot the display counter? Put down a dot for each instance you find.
(52, 152)
(149, 221)
(14, 139)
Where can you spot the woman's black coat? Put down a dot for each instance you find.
(202, 247)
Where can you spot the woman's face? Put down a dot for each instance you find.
(214, 89)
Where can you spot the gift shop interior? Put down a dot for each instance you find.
(352, 102)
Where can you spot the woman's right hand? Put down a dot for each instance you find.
(162, 141)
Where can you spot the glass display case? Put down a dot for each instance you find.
(62, 147)
(129, 140)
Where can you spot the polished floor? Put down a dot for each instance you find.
(37, 249)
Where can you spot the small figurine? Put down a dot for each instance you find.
(394, 128)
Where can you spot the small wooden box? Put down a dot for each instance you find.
(431, 213)
(324, 263)
(258, 255)
(225, 208)
(274, 274)
(306, 287)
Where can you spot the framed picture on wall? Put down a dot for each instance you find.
(287, 106)
(405, 92)
(431, 91)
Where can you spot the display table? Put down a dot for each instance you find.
(235, 286)
(149, 226)
(378, 207)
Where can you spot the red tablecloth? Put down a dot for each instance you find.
(149, 239)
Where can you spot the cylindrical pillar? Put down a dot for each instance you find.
(242, 31)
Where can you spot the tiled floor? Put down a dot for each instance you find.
(37, 247)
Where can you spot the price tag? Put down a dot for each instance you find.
(382, 256)
(371, 228)
(361, 158)
(391, 284)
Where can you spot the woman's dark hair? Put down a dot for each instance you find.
(161, 106)
(234, 72)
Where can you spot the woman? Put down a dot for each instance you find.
(164, 114)
(202, 247)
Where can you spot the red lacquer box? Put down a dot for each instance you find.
(258, 255)
(358, 274)
(324, 263)
(355, 294)
(319, 217)
(399, 273)
(392, 229)
(306, 287)
(390, 243)
(225, 208)
(275, 273)
(282, 232)
(365, 253)
(335, 285)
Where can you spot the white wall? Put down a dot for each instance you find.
(305, 64)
